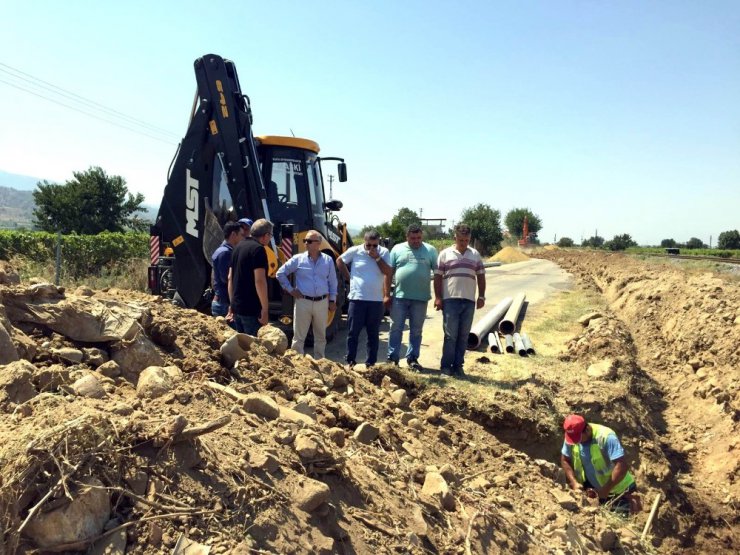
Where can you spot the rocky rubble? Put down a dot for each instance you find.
(157, 426)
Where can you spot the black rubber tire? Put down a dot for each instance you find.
(333, 328)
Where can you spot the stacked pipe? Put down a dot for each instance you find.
(505, 314)
(483, 325)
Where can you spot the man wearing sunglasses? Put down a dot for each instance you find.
(315, 293)
(369, 263)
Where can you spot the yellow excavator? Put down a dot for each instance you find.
(222, 173)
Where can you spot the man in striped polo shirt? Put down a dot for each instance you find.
(459, 268)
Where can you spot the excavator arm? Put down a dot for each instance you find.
(215, 176)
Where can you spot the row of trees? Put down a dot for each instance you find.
(485, 223)
(726, 240)
(94, 202)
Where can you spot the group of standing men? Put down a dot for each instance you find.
(373, 274)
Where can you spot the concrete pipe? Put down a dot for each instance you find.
(527, 344)
(484, 325)
(494, 343)
(508, 323)
(509, 343)
(519, 345)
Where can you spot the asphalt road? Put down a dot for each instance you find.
(538, 278)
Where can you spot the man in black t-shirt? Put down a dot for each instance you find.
(248, 280)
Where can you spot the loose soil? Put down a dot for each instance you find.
(508, 255)
(321, 459)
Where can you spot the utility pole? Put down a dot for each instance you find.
(421, 212)
(710, 241)
(331, 187)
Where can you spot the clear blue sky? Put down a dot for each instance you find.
(621, 116)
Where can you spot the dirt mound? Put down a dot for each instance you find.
(680, 329)
(507, 255)
(275, 453)
(551, 247)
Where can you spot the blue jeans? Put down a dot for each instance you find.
(247, 324)
(415, 311)
(219, 309)
(368, 315)
(457, 317)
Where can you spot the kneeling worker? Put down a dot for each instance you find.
(593, 460)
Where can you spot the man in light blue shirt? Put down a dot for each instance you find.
(369, 262)
(315, 292)
(412, 263)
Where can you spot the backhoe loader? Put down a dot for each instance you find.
(220, 173)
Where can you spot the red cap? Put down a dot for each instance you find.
(574, 426)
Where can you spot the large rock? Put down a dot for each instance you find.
(435, 486)
(7, 348)
(69, 354)
(261, 405)
(586, 318)
(366, 433)
(79, 319)
(16, 383)
(136, 354)
(235, 348)
(80, 520)
(311, 494)
(89, 386)
(155, 381)
(307, 446)
(602, 370)
(274, 339)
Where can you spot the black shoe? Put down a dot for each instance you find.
(458, 372)
(446, 372)
(414, 365)
(391, 361)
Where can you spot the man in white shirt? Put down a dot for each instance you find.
(369, 262)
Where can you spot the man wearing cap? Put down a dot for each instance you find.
(593, 460)
(315, 292)
(246, 224)
(221, 259)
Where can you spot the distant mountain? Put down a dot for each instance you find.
(16, 208)
(17, 181)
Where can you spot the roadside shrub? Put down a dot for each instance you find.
(82, 255)
(565, 242)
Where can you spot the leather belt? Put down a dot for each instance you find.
(321, 298)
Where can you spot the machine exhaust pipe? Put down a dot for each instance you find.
(508, 324)
(509, 343)
(519, 345)
(528, 344)
(483, 325)
(494, 342)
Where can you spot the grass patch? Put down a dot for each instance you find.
(550, 326)
(125, 274)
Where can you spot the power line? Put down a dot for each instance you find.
(87, 113)
(87, 103)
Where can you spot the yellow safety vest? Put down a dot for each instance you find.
(598, 460)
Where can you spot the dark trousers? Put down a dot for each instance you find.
(368, 315)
